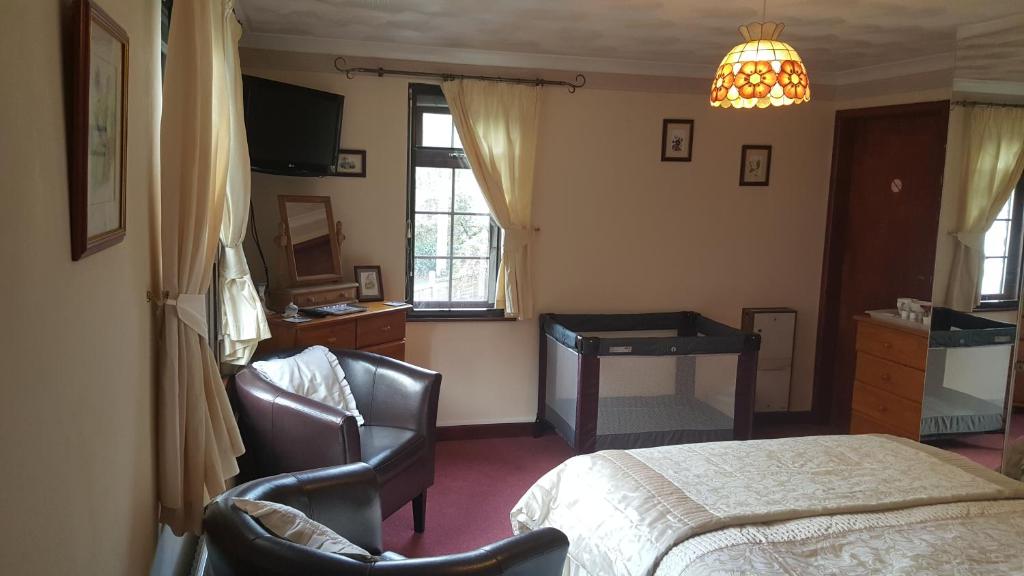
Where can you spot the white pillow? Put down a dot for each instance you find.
(315, 374)
(292, 525)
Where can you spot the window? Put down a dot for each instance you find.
(1001, 278)
(454, 243)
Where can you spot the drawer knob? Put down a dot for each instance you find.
(886, 345)
(332, 339)
(386, 328)
(886, 377)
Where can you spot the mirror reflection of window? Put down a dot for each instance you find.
(310, 234)
(1000, 280)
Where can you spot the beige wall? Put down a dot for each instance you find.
(620, 230)
(76, 420)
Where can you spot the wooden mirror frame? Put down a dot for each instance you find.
(286, 240)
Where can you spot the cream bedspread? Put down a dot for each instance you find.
(643, 512)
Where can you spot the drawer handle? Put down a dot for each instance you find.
(886, 377)
(386, 328)
(332, 339)
(886, 345)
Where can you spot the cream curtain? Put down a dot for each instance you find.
(993, 162)
(497, 123)
(198, 440)
(243, 322)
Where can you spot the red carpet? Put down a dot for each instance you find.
(476, 485)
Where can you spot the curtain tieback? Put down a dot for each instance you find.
(191, 311)
(232, 263)
(518, 236)
(975, 240)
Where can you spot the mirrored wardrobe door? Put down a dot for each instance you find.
(970, 380)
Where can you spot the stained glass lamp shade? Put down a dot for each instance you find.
(760, 72)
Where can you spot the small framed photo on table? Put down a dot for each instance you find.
(676, 140)
(98, 130)
(755, 165)
(351, 163)
(370, 288)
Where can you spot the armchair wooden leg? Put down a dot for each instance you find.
(419, 512)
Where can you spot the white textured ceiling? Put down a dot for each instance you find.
(832, 36)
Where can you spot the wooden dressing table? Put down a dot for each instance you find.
(381, 329)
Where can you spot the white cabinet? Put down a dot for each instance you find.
(777, 327)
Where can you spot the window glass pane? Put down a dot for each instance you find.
(433, 189)
(432, 235)
(1004, 214)
(469, 280)
(457, 142)
(437, 130)
(431, 280)
(468, 197)
(472, 236)
(992, 276)
(996, 238)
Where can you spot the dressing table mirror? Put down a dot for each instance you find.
(970, 382)
(310, 239)
(309, 262)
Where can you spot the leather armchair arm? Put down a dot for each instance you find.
(288, 432)
(399, 394)
(538, 553)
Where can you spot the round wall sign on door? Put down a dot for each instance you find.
(896, 185)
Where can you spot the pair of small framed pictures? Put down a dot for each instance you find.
(677, 146)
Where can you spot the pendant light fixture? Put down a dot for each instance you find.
(761, 72)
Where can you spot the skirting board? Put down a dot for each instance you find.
(482, 431)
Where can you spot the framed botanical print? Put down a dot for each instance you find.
(755, 165)
(370, 288)
(676, 140)
(98, 130)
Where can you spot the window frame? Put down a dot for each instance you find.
(1009, 298)
(451, 158)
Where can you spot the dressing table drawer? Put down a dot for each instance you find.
(379, 329)
(880, 373)
(336, 335)
(902, 347)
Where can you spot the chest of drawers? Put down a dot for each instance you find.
(889, 379)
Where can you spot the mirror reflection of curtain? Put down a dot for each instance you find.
(993, 163)
(497, 124)
(197, 437)
(243, 322)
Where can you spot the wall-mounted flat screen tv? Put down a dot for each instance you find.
(291, 129)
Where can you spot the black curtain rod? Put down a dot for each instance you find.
(340, 63)
(991, 104)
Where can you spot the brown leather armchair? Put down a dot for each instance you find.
(345, 499)
(285, 432)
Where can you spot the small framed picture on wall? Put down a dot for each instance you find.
(755, 165)
(370, 287)
(351, 163)
(99, 130)
(676, 140)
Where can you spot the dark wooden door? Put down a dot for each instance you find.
(883, 219)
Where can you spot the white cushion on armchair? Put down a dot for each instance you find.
(314, 373)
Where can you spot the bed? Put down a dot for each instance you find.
(869, 504)
(640, 380)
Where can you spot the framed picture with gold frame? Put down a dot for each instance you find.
(98, 130)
